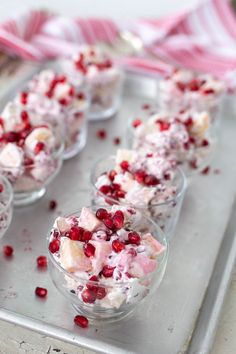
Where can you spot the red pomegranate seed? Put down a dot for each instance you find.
(108, 271)
(42, 262)
(136, 123)
(63, 101)
(151, 180)
(101, 134)
(193, 164)
(39, 147)
(112, 175)
(89, 250)
(52, 204)
(1, 188)
(116, 141)
(118, 246)
(41, 292)
(139, 176)
(88, 296)
(24, 97)
(28, 161)
(76, 233)
(91, 286)
(181, 86)
(208, 91)
(61, 79)
(116, 186)
(205, 142)
(101, 214)
(124, 165)
(25, 116)
(206, 170)
(120, 194)
(194, 85)
(109, 223)
(81, 321)
(87, 235)
(81, 96)
(54, 246)
(146, 106)
(8, 250)
(101, 293)
(134, 238)
(12, 137)
(105, 189)
(189, 122)
(163, 125)
(118, 220)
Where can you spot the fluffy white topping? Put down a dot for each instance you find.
(41, 134)
(11, 156)
(42, 81)
(40, 104)
(11, 117)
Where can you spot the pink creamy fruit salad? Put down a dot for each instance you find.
(92, 67)
(188, 90)
(103, 247)
(138, 178)
(185, 137)
(27, 147)
(53, 94)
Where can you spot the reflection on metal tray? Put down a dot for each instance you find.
(163, 325)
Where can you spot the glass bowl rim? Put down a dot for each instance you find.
(11, 193)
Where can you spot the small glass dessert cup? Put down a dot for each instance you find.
(161, 202)
(6, 205)
(188, 137)
(104, 80)
(117, 274)
(30, 152)
(52, 95)
(184, 90)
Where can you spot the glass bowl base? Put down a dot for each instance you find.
(108, 316)
(23, 199)
(103, 114)
(75, 149)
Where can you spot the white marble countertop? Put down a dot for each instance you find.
(14, 340)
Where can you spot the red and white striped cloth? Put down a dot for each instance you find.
(202, 39)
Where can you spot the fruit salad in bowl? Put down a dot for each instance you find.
(51, 94)
(30, 152)
(92, 67)
(105, 261)
(144, 180)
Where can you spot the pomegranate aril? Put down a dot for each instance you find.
(181, 86)
(136, 123)
(91, 286)
(116, 141)
(205, 143)
(118, 246)
(63, 102)
(146, 106)
(116, 186)
(81, 321)
(39, 147)
(206, 170)
(120, 194)
(163, 125)
(24, 116)
(134, 238)
(189, 122)
(139, 176)
(88, 296)
(87, 235)
(1, 188)
(105, 189)
(76, 233)
(23, 97)
(8, 250)
(42, 262)
(101, 134)
(124, 165)
(208, 91)
(101, 214)
(12, 137)
(151, 180)
(193, 164)
(41, 292)
(89, 250)
(54, 246)
(81, 96)
(101, 293)
(108, 222)
(108, 271)
(118, 220)
(112, 175)
(52, 204)
(194, 85)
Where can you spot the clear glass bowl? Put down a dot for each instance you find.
(6, 205)
(105, 90)
(75, 120)
(133, 291)
(29, 180)
(165, 214)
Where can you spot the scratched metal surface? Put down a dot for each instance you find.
(164, 325)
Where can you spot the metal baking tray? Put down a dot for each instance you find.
(202, 253)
